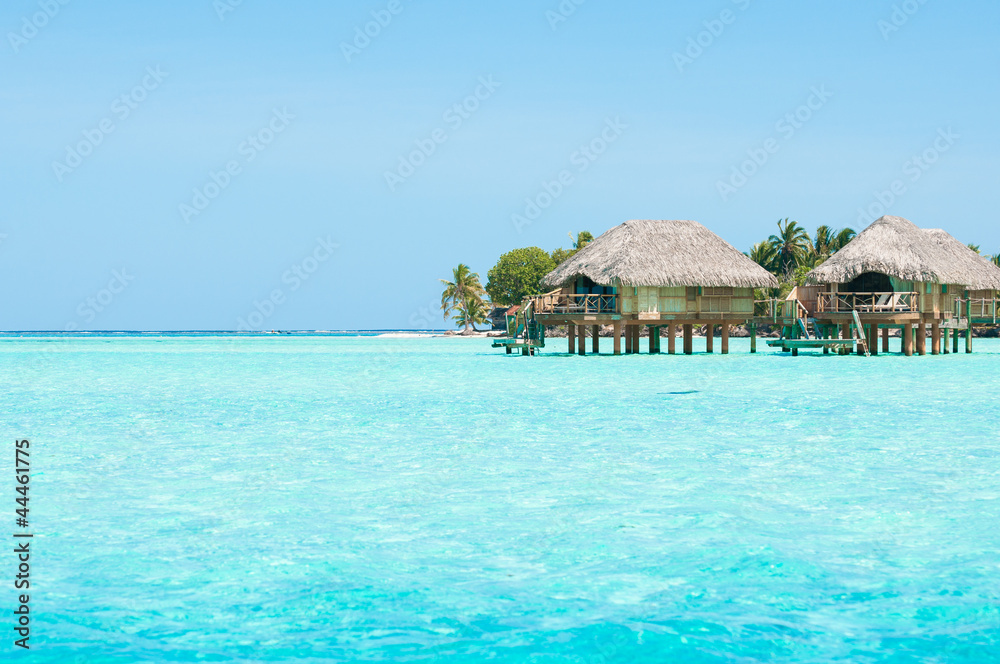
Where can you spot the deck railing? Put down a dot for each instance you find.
(976, 308)
(561, 303)
(867, 302)
(775, 308)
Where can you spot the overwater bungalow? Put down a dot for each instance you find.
(662, 275)
(896, 275)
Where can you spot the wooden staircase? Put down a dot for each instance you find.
(804, 326)
(858, 331)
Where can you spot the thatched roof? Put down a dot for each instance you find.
(897, 247)
(661, 253)
(982, 273)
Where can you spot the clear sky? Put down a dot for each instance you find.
(165, 165)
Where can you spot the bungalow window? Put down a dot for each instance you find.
(944, 289)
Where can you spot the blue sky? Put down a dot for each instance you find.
(307, 230)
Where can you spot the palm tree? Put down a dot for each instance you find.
(474, 312)
(841, 239)
(827, 241)
(996, 260)
(463, 297)
(822, 243)
(583, 238)
(765, 255)
(974, 247)
(791, 244)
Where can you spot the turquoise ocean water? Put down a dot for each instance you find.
(374, 499)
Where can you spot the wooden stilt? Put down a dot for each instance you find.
(618, 337)
(908, 339)
(944, 341)
(688, 338)
(873, 339)
(581, 338)
(595, 330)
(571, 336)
(725, 338)
(628, 339)
(885, 339)
(954, 341)
(709, 338)
(921, 338)
(935, 338)
(968, 317)
(672, 338)
(637, 338)
(508, 350)
(654, 340)
(845, 333)
(753, 337)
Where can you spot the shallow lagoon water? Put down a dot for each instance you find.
(374, 499)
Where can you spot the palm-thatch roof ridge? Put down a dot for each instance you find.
(661, 253)
(897, 247)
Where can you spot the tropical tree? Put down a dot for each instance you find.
(475, 311)
(583, 238)
(826, 242)
(799, 275)
(822, 242)
(791, 244)
(842, 237)
(463, 297)
(517, 274)
(974, 247)
(559, 255)
(996, 260)
(765, 255)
